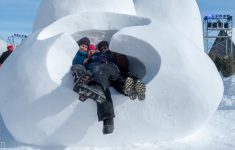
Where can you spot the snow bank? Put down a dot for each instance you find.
(233, 35)
(183, 85)
(228, 101)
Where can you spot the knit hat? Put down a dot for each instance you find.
(84, 41)
(92, 47)
(103, 44)
(10, 47)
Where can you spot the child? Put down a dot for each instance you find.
(81, 75)
(79, 72)
(81, 55)
(91, 51)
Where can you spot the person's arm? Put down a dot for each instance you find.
(86, 61)
(76, 59)
(74, 62)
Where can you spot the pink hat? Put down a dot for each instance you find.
(92, 47)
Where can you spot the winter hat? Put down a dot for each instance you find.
(103, 44)
(92, 47)
(84, 41)
(10, 47)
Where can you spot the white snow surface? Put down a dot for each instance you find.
(183, 86)
(3, 46)
(217, 134)
(53, 10)
(233, 35)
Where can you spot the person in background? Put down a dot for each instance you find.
(5, 54)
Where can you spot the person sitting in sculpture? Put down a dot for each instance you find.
(79, 73)
(97, 88)
(128, 83)
(104, 72)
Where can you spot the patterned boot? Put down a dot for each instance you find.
(129, 88)
(94, 92)
(140, 88)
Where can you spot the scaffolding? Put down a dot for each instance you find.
(218, 27)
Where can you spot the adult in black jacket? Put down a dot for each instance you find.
(103, 71)
(5, 54)
(127, 83)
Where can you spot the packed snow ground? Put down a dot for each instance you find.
(217, 134)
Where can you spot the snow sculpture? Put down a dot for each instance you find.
(183, 86)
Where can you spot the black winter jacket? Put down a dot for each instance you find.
(4, 56)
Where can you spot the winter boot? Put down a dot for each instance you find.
(80, 74)
(94, 92)
(83, 78)
(140, 89)
(129, 88)
(83, 95)
(108, 126)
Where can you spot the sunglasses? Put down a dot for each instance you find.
(103, 48)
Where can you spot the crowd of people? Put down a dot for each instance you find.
(95, 69)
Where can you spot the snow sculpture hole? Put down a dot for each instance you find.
(144, 61)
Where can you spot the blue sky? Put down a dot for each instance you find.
(217, 7)
(17, 16)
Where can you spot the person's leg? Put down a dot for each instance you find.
(125, 85)
(80, 77)
(139, 86)
(102, 74)
(80, 74)
(129, 88)
(94, 89)
(134, 87)
(105, 112)
(140, 89)
(118, 84)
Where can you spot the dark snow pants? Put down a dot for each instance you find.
(101, 74)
